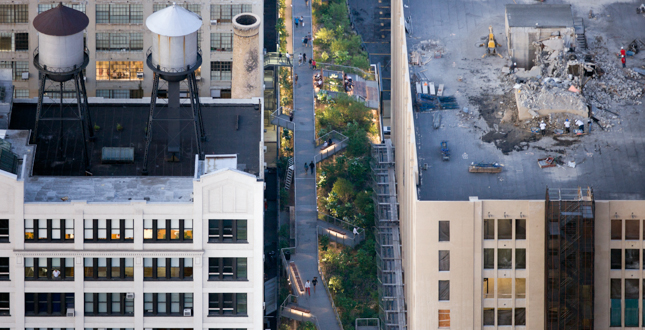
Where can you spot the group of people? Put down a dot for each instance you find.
(567, 126)
(318, 80)
(306, 39)
(299, 21)
(328, 143)
(308, 285)
(311, 167)
(348, 83)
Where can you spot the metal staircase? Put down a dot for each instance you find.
(581, 40)
(287, 182)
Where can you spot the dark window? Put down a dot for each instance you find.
(489, 287)
(489, 228)
(167, 303)
(615, 319)
(444, 231)
(504, 229)
(225, 304)
(632, 230)
(49, 269)
(489, 316)
(444, 260)
(18, 13)
(4, 303)
(489, 258)
(21, 41)
(617, 229)
(632, 259)
(504, 316)
(115, 269)
(48, 304)
(4, 230)
(100, 304)
(120, 42)
(504, 258)
(223, 269)
(221, 70)
(520, 229)
(174, 269)
(4, 268)
(520, 316)
(520, 258)
(631, 302)
(109, 230)
(444, 290)
(224, 13)
(173, 231)
(50, 230)
(616, 259)
(227, 231)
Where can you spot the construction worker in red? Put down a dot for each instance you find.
(623, 56)
(622, 59)
(622, 52)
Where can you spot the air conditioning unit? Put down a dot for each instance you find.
(70, 312)
(129, 295)
(213, 22)
(188, 312)
(140, 75)
(25, 75)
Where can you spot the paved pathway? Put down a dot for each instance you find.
(306, 257)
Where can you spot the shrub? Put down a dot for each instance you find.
(325, 35)
(343, 189)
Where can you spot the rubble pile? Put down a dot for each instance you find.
(549, 95)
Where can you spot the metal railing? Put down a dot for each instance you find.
(287, 310)
(330, 151)
(282, 122)
(334, 135)
(347, 69)
(367, 322)
(285, 266)
(324, 284)
(349, 239)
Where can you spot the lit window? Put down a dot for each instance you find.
(444, 318)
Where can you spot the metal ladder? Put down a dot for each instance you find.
(287, 183)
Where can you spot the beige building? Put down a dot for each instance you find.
(566, 260)
(117, 40)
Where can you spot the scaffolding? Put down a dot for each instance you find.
(569, 259)
(392, 311)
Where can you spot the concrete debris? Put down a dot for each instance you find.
(536, 99)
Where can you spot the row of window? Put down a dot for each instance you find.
(505, 258)
(119, 93)
(122, 230)
(42, 7)
(14, 41)
(505, 229)
(631, 297)
(505, 288)
(632, 259)
(632, 229)
(505, 316)
(120, 269)
(99, 304)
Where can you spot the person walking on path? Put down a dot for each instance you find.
(289, 58)
(306, 3)
(311, 167)
(313, 64)
(308, 287)
(302, 20)
(304, 41)
(304, 57)
(306, 167)
(296, 22)
(300, 59)
(543, 128)
(295, 79)
(314, 282)
(567, 126)
(310, 65)
(291, 116)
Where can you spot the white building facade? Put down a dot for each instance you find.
(189, 263)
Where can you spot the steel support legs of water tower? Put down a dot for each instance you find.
(82, 114)
(200, 133)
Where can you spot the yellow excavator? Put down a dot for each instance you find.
(491, 45)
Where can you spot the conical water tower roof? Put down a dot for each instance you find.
(61, 21)
(174, 21)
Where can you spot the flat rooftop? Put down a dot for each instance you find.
(539, 15)
(609, 161)
(58, 167)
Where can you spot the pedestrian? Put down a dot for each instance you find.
(311, 167)
(543, 128)
(295, 79)
(280, 55)
(314, 282)
(355, 232)
(304, 57)
(295, 20)
(304, 41)
(291, 116)
(589, 122)
(306, 167)
(288, 58)
(300, 59)
(306, 3)
(302, 20)
(622, 59)
(310, 66)
(567, 126)
(313, 64)
(308, 287)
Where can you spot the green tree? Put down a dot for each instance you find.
(343, 189)
(325, 35)
(308, 325)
